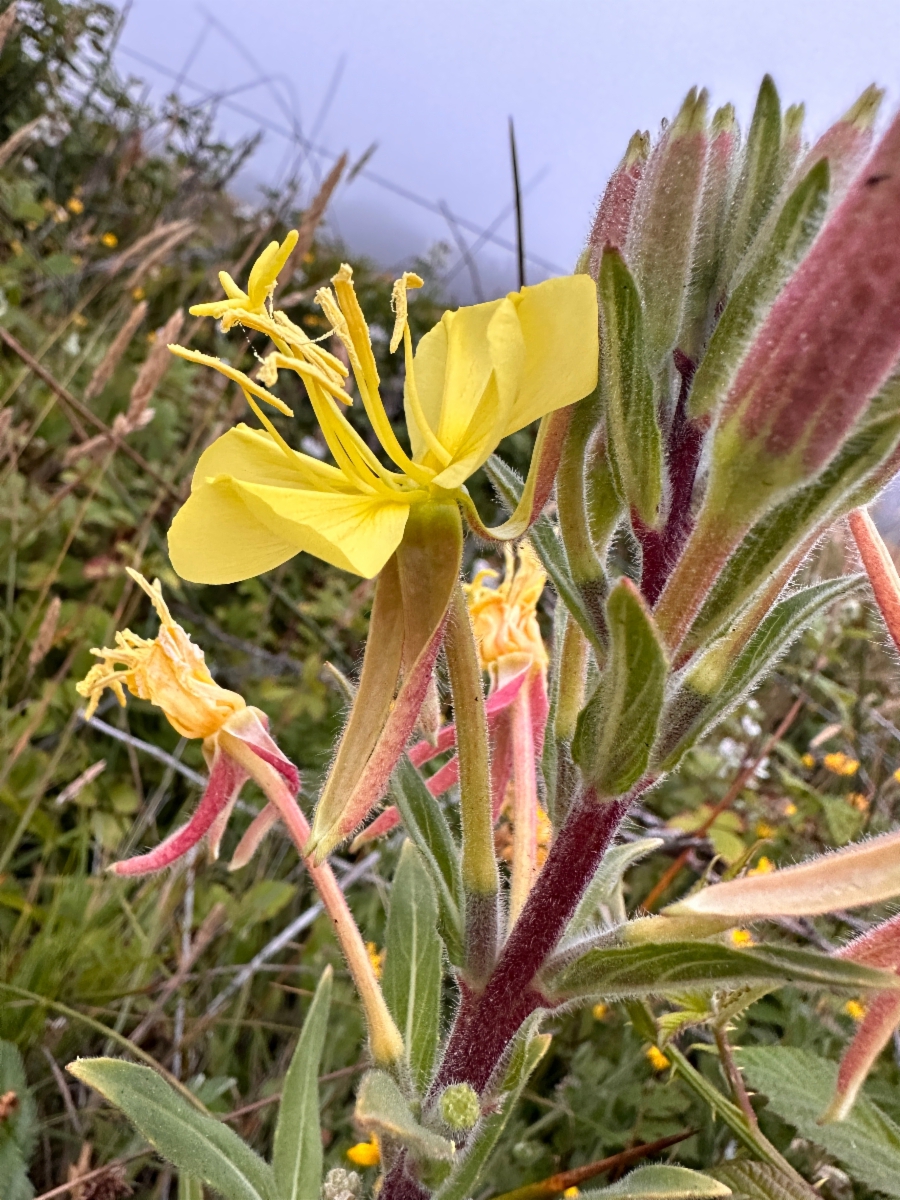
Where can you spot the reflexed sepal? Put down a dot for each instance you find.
(617, 728)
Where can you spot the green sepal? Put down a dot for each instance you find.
(426, 826)
(797, 225)
(734, 665)
(297, 1152)
(187, 1138)
(528, 1051)
(617, 728)
(632, 429)
(382, 1109)
(412, 968)
(660, 969)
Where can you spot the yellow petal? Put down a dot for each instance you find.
(559, 324)
(253, 457)
(480, 439)
(231, 530)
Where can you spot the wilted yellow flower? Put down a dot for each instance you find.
(741, 937)
(365, 1154)
(109, 240)
(505, 616)
(763, 866)
(656, 1058)
(808, 761)
(855, 1009)
(840, 764)
(75, 206)
(169, 671)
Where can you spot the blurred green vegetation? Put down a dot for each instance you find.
(107, 204)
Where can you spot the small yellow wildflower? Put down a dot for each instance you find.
(790, 809)
(859, 801)
(138, 293)
(897, 775)
(376, 958)
(855, 1009)
(763, 866)
(365, 1154)
(109, 240)
(808, 761)
(742, 937)
(600, 1011)
(839, 763)
(16, 246)
(656, 1058)
(764, 830)
(504, 617)
(544, 836)
(169, 671)
(571, 1193)
(75, 206)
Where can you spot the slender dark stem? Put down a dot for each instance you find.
(733, 1075)
(517, 189)
(661, 547)
(477, 1046)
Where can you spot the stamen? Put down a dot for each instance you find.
(238, 377)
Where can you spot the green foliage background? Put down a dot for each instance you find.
(87, 960)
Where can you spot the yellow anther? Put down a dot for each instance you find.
(400, 305)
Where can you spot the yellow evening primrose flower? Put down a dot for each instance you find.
(480, 374)
(504, 616)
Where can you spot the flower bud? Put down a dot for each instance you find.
(460, 1106)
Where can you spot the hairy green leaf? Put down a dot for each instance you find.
(427, 827)
(381, 1108)
(188, 1139)
(189, 1187)
(762, 1181)
(412, 968)
(608, 879)
(297, 1153)
(632, 429)
(658, 969)
(797, 1084)
(660, 1183)
(617, 727)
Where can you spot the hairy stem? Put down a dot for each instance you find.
(525, 805)
(384, 1037)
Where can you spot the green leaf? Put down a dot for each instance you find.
(189, 1187)
(549, 550)
(762, 1181)
(658, 969)
(381, 1108)
(188, 1139)
(632, 429)
(604, 887)
(412, 966)
(759, 176)
(660, 1183)
(297, 1153)
(21, 1127)
(527, 1053)
(797, 1084)
(794, 230)
(426, 825)
(726, 674)
(617, 727)
(840, 486)
(14, 1181)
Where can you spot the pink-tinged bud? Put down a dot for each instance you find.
(831, 339)
(613, 219)
(846, 142)
(880, 568)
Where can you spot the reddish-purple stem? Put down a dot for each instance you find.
(661, 547)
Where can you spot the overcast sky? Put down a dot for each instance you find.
(433, 82)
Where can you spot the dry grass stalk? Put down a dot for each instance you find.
(7, 20)
(77, 786)
(113, 355)
(47, 632)
(6, 440)
(313, 216)
(20, 138)
(159, 254)
(143, 244)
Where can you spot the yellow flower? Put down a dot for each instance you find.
(656, 1058)
(808, 761)
(859, 801)
(763, 866)
(504, 617)
(855, 1009)
(75, 206)
(480, 374)
(109, 240)
(571, 1193)
(365, 1154)
(376, 958)
(764, 830)
(790, 809)
(138, 293)
(169, 671)
(741, 937)
(600, 1011)
(896, 775)
(840, 764)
